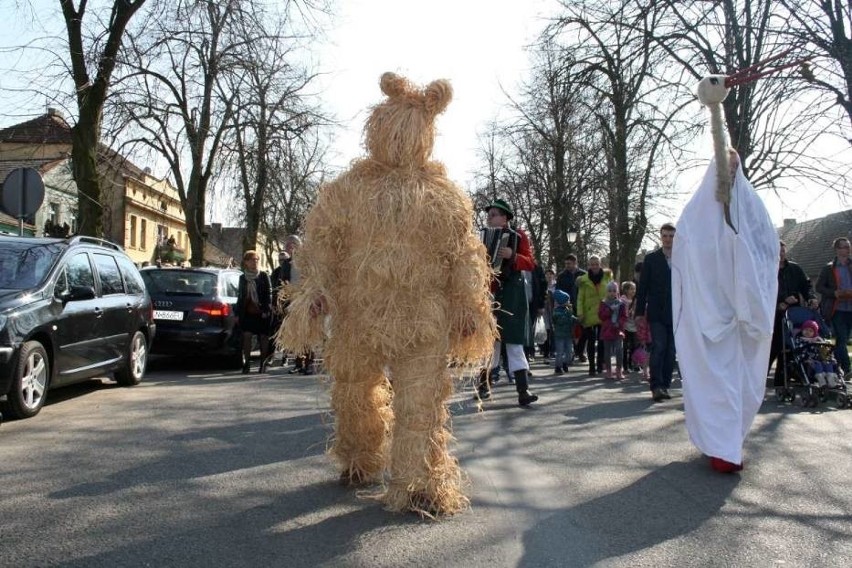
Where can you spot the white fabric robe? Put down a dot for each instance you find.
(724, 287)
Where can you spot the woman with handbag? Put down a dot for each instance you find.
(254, 309)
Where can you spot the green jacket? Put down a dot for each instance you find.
(589, 297)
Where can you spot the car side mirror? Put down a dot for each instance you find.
(78, 293)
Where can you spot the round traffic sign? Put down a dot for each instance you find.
(23, 192)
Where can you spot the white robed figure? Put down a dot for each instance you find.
(724, 284)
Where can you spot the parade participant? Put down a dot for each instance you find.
(591, 290)
(510, 296)
(564, 321)
(392, 279)
(613, 315)
(834, 285)
(567, 282)
(724, 285)
(254, 309)
(654, 308)
(794, 289)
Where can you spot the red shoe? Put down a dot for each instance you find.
(722, 466)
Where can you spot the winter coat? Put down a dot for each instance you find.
(589, 297)
(563, 322)
(612, 330)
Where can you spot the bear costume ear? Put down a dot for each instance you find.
(393, 85)
(438, 95)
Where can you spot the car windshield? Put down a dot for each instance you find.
(179, 282)
(25, 265)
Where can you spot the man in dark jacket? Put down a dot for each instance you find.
(794, 289)
(654, 303)
(834, 285)
(567, 282)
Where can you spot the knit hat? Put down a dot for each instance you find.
(560, 297)
(812, 325)
(612, 286)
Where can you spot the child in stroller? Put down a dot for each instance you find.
(809, 365)
(818, 357)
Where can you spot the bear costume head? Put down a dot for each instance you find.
(401, 130)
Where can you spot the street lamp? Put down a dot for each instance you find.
(572, 235)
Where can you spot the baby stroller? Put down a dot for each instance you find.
(799, 376)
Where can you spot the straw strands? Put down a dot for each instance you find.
(391, 259)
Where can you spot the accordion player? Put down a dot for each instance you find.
(494, 239)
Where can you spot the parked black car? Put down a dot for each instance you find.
(194, 311)
(70, 310)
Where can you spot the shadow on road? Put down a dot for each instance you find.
(301, 528)
(639, 516)
(238, 447)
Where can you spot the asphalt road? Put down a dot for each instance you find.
(196, 467)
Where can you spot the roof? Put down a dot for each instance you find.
(41, 165)
(50, 128)
(809, 242)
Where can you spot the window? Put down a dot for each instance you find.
(132, 280)
(232, 285)
(53, 213)
(143, 234)
(25, 264)
(111, 282)
(72, 218)
(133, 231)
(79, 271)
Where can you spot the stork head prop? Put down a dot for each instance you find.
(712, 90)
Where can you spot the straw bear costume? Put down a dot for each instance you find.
(391, 258)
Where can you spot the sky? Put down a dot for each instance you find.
(479, 45)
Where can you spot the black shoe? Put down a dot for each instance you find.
(246, 368)
(558, 371)
(666, 394)
(565, 368)
(526, 398)
(657, 395)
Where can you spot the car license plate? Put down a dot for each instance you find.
(168, 315)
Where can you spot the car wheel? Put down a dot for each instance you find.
(137, 358)
(29, 382)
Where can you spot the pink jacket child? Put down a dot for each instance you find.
(613, 315)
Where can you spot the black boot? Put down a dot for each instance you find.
(525, 397)
(483, 388)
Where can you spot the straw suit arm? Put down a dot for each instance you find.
(472, 325)
(318, 263)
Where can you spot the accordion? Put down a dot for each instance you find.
(495, 238)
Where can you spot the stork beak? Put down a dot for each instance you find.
(760, 69)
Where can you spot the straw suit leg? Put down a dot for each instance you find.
(424, 477)
(360, 399)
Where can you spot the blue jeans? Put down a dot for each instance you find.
(841, 325)
(563, 348)
(662, 355)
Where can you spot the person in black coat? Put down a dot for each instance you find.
(254, 309)
(654, 303)
(567, 282)
(794, 289)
